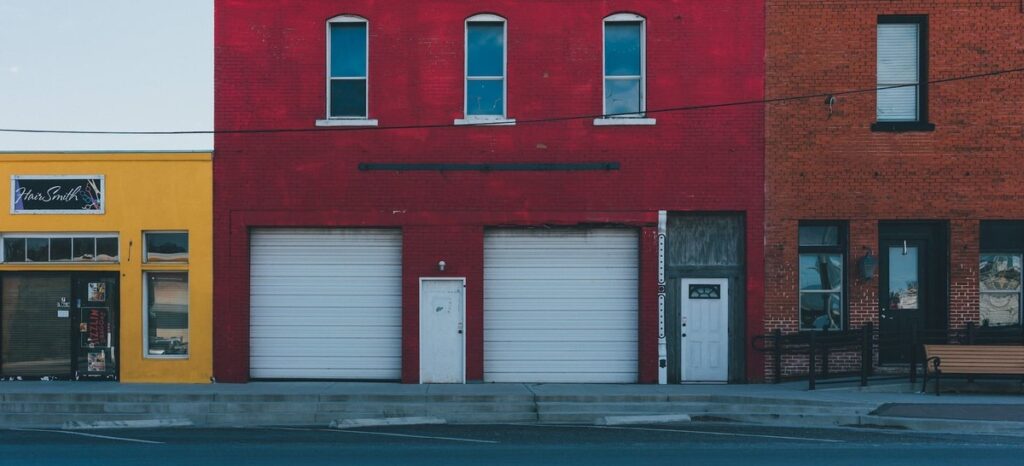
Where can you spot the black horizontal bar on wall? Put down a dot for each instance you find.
(484, 167)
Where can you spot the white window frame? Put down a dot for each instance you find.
(346, 121)
(72, 236)
(488, 120)
(145, 247)
(638, 119)
(145, 314)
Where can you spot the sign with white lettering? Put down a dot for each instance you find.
(57, 194)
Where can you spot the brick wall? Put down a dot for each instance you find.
(834, 167)
(270, 67)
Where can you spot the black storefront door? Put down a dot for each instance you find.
(912, 286)
(60, 325)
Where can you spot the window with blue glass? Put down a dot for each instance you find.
(485, 67)
(347, 73)
(822, 265)
(624, 75)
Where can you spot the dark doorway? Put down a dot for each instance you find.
(913, 277)
(59, 325)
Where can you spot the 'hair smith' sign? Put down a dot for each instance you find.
(63, 194)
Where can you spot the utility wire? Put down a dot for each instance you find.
(528, 121)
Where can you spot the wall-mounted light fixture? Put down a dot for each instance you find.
(868, 263)
(441, 265)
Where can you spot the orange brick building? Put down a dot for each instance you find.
(918, 171)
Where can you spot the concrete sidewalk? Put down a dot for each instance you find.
(897, 406)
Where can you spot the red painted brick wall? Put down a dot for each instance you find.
(270, 67)
(821, 167)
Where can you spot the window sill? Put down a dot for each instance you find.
(901, 126)
(346, 122)
(485, 122)
(625, 122)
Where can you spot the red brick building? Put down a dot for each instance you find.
(923, 177)
(385, 234)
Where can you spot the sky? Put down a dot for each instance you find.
(113, 65)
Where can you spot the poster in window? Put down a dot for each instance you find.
(98, 292)
(95, 328)
(96, 361)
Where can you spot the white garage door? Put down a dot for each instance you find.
(561, 305)
(326, 304)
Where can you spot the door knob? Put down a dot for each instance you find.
(684, 335)
(460, 328)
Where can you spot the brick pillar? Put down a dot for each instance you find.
(964, 249)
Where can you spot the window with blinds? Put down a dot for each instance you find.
(899, 72)
(902, 74)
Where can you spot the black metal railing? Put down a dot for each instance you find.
(890, 347)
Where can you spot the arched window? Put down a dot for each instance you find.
(625, 76)
(486, 53)
(347, 71)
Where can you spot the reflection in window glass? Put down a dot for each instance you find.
(1000, 289)
(83, 249)
(348, 70)
(106, 249)
(819, 235)
(60, 249)
(485, 68)
(623, 68)
(821, 288)
(166, 247)
(14, 249)
(166, 314)
(38, 249)
(903, 278)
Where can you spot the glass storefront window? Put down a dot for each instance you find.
(822, 265)
(42, 249)
(1000, 289)
(166, 314)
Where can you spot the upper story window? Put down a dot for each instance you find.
(902, 74)
(485, 69)
(625, 76)
(347, 71)
(822, 267)
(42, 248)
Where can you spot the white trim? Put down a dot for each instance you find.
(145, 315)
(346, 122)
(465, 328)
(484, 120)
(625, 121)
(662, 341)
(485, 18)
(625, 18)
(366, 112)
(103, 195)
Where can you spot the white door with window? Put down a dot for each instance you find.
(442, 330)
(704, 323)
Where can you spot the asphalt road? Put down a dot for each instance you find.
(681, 444)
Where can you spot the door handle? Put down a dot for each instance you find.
(684, 335)
(460, 328)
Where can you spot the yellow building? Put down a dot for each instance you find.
(106, 266)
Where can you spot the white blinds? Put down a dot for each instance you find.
(898, 62)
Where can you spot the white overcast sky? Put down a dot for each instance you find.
(136, 65)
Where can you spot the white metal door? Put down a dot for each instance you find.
(326, 304)
(561, 305)
(442, 330)
(705, 330)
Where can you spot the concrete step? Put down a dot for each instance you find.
(676, 407)
(48, 420)
(868, 421)
(110, 408)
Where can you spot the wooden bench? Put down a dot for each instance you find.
(971, 360)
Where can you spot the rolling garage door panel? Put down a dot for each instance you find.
(326, 304)
(561, 305)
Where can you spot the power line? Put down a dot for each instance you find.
(528, 121)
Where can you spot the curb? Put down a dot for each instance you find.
(386, 421)
(129, 424)
(631, 420)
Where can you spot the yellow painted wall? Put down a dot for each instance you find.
(144, 192)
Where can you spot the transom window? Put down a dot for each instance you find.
(166, 247)
(60, 248)
(822, 266)
(624, 63)
(348, 75)
(485, 67)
